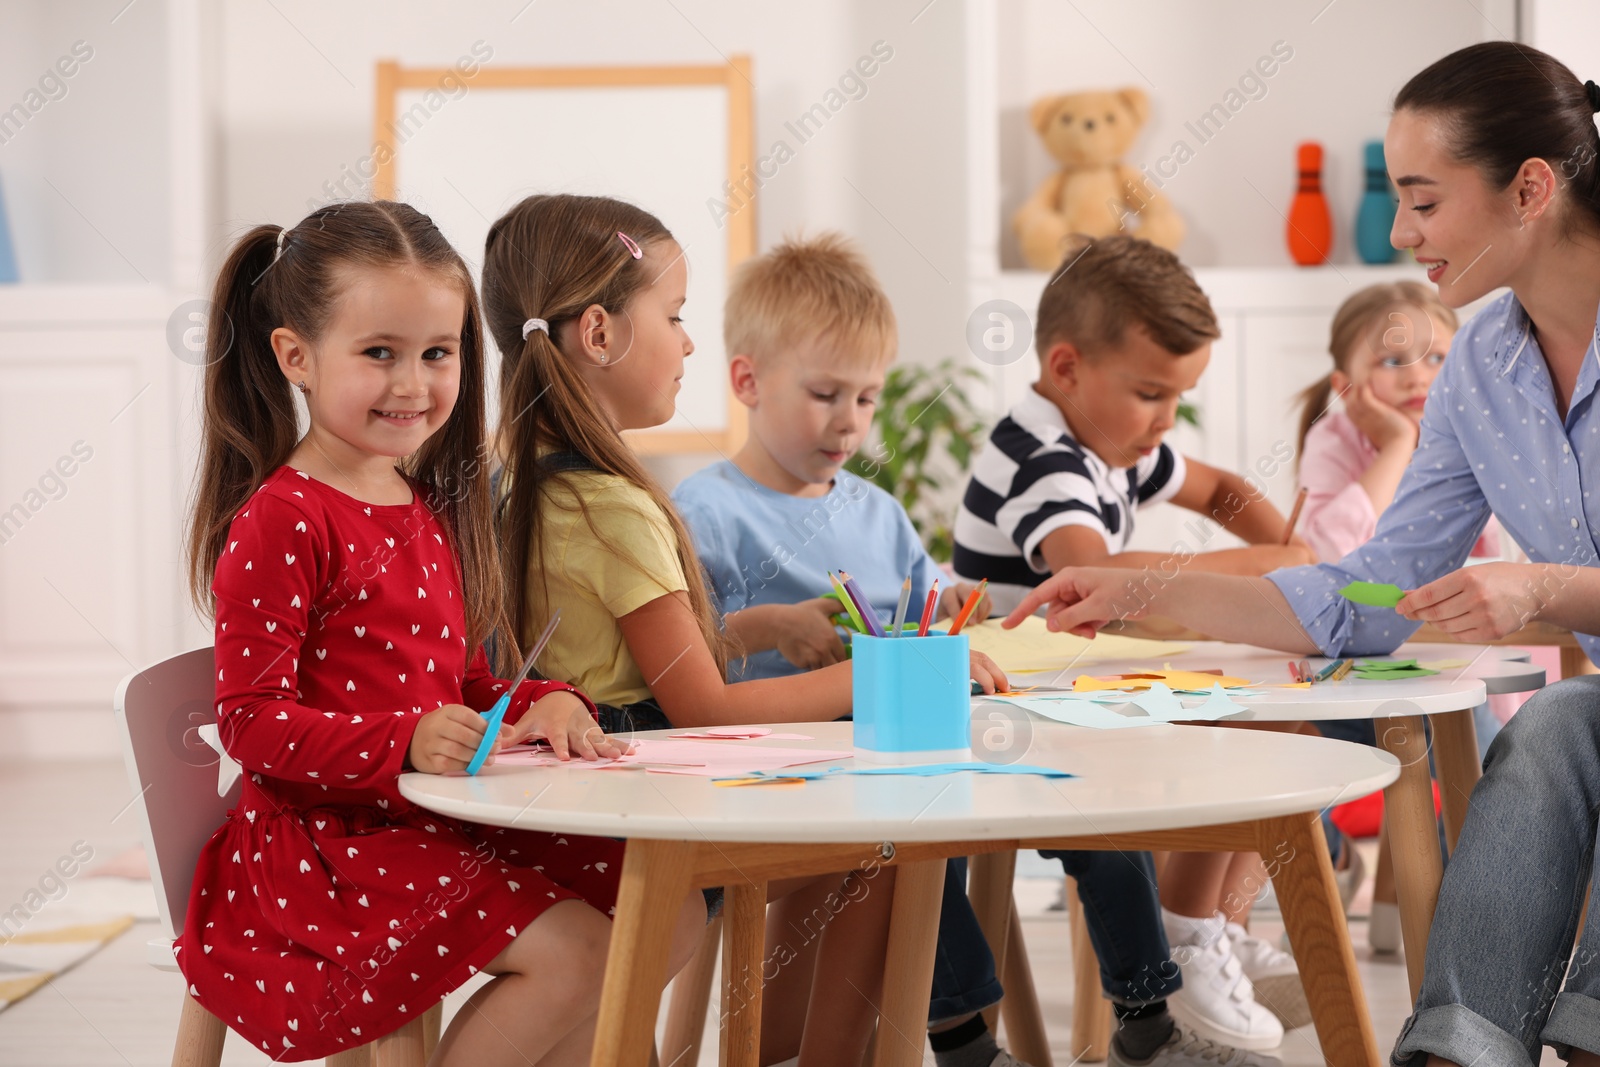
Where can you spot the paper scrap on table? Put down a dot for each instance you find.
(915, 770)
(711, 759)
(739, 733)
(1159, 704)
(1373, 594)
(1191, 681)
(1388, 670)
(1444, 664)
(1031, 647)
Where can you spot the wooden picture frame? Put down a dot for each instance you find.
(620, 95)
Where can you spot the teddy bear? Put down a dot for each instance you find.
(1093, 193)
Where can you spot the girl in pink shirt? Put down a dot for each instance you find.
(1388, 342)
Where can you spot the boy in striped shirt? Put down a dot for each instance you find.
(1122, 333)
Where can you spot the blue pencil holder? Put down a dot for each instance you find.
(912, 698)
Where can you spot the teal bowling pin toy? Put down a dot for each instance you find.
(1375, 218)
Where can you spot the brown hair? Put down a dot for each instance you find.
(1356, 320)
(1105, 285)
(250, 426)
(808, 289)
(1504, 103)
(552, 257)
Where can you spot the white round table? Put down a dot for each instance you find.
(1399, 708)
(1165, 787)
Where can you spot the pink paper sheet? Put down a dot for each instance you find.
(711, 759)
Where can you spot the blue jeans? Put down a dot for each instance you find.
(1499, 948)
(1120, 906)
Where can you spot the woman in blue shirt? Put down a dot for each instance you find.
(1493, 150)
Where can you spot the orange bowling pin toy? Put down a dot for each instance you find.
(1310, 230)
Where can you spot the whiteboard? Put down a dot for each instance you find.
(664, 148)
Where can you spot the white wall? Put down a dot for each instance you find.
(297, 97)
(1349, 58)
(86, 174)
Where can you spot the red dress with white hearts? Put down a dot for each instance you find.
(328, 910)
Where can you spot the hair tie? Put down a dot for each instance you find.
(632, 245)
(535, 324)
(1594, 95)
(284, 233)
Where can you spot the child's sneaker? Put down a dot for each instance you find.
(1217, 1001)
(1274, 975)
(1187, 1049)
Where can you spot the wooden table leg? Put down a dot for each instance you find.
(744, 932)
(1413, 838)
(655, 879)
(1456, 759)
(908, 964)
(1025, 1033)
(691, 996)
(1091, 1012)
(1296, 854)
(989, 879)
(200, 1036)
(400, 1048)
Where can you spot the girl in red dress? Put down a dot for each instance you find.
(352, 577)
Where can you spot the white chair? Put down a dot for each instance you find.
(160, 710)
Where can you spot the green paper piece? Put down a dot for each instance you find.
(1392, 675)
(1373, 594)
(1385, 664)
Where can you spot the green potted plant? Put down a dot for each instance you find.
(925, 433)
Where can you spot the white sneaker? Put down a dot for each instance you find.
(1217, 1001)
(1383, 927)
(1274, 975)
(1187, 1049)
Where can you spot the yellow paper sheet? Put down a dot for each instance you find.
(1030, 647)
(1185, 680)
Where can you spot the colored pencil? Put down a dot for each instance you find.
(863, 605)
(967, 608)
(928, 609)
(1294, 515)
(849, 603)
(899, 615)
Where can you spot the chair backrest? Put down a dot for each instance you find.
(172, 770)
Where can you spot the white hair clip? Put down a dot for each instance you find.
(535, 324)
(282, 234)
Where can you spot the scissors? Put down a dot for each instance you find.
(496, 715)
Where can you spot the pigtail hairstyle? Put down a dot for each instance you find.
(294, 279)
(1504, 103)
(552, 257)
(1361, 319)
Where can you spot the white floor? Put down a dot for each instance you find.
(115, 1009)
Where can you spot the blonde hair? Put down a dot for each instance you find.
(552, 257)
(1357, 319)
(804, 290)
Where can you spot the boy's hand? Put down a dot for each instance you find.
(1382, 424)
(446, 739)
(564, 721)
(988, 675)
(954, 596)
(807, 637)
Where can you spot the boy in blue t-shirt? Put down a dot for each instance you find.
(810, 336)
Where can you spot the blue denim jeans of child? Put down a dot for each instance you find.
(1498, 951)
(1123, 913)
